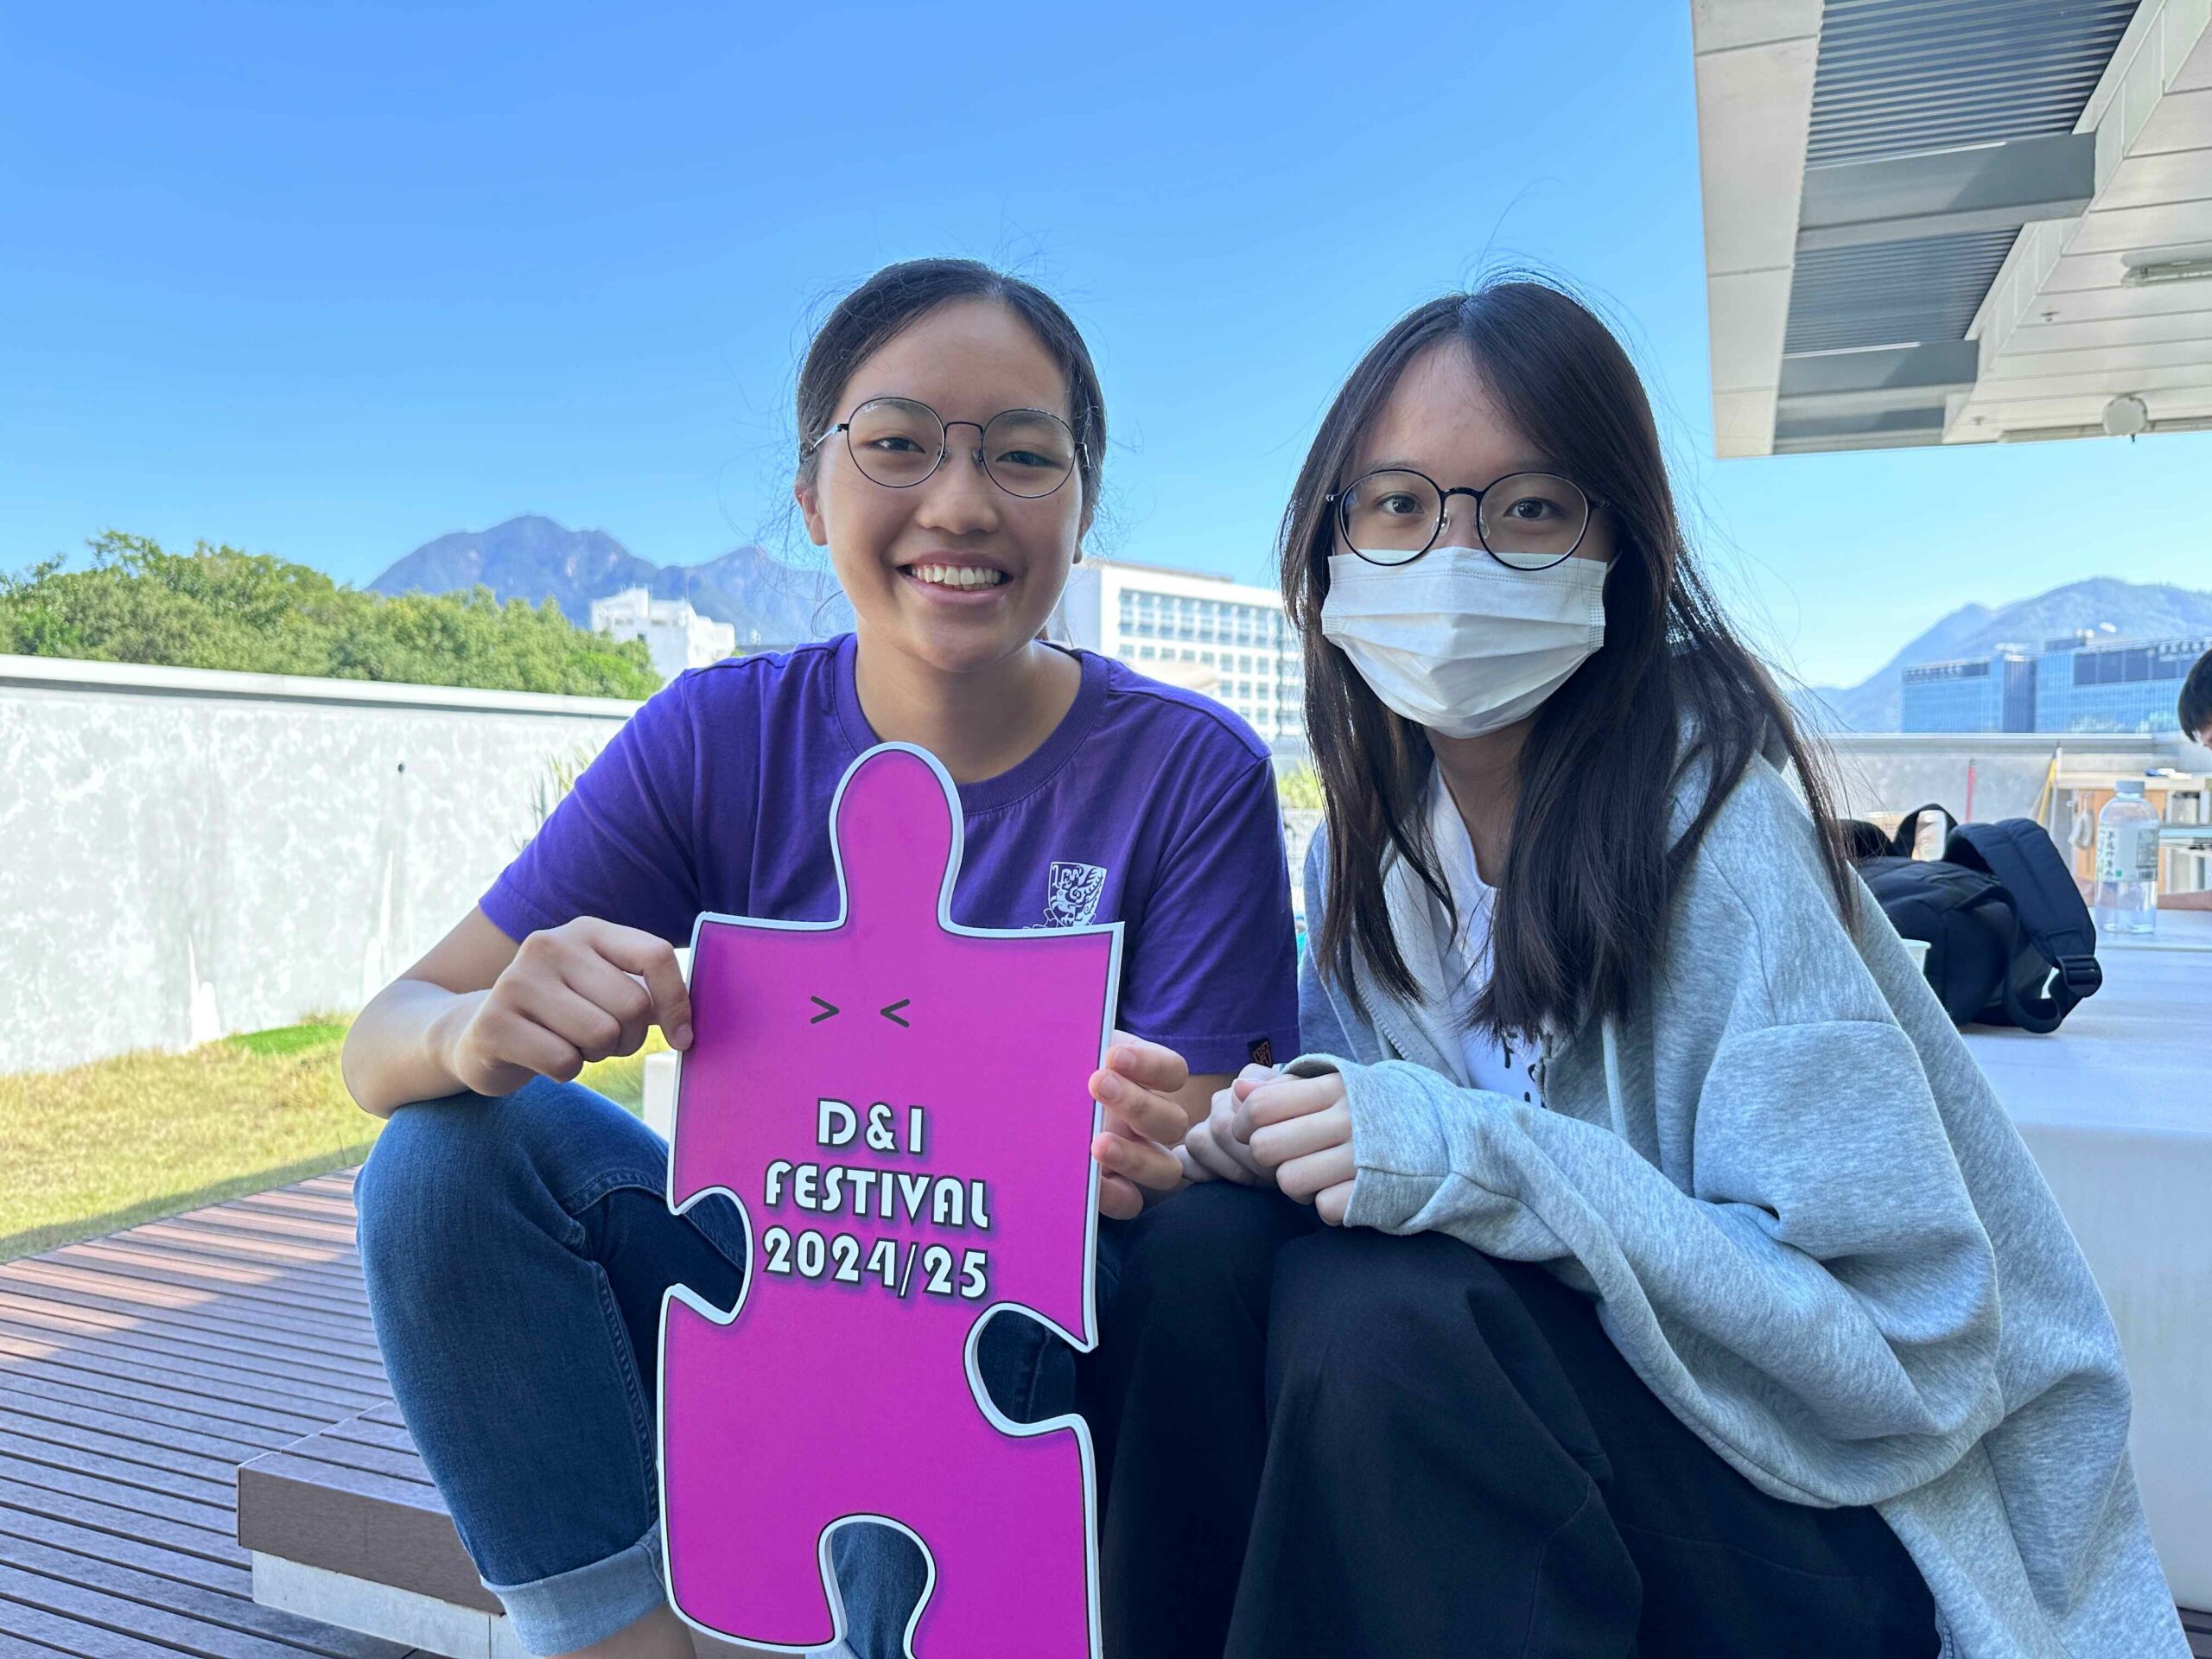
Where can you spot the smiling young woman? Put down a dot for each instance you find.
(952, 574)
(513, 1231)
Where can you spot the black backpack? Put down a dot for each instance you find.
(2010, 942)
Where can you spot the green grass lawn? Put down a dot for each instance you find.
(118, 1141)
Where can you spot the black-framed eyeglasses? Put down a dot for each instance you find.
(1526, 521)
(900, 442)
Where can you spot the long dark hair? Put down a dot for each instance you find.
(2195, 705)
(1582, 902)
(899, 296)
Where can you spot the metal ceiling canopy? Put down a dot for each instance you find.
(1889, 294)
(1909, 180)
(1820, 383)
(1998, 185)
(1937, 184)
(1897, 76)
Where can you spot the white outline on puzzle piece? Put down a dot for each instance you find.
(1082, 1344)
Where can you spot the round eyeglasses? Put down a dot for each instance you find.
(900, 442)
(1526, 521)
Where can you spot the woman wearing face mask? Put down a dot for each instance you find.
(514, 1231)
(1649, 1298)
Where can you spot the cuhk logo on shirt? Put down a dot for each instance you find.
(1071, 893)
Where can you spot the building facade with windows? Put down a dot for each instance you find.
(1223, 639)
(2080, 684)
(2120, 686)
(1975, 693)
(677, 636)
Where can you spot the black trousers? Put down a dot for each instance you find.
(1326, 1443)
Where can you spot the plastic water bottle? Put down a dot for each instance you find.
(2127, 861)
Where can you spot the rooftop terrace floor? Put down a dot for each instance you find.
(137, 1372)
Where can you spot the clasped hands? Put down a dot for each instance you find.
(1265, 1129)
(1269, 1130)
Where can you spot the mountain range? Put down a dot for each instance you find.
(769, 602)
(2103, 604)
(772, 603)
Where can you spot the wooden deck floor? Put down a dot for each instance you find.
(137, 1372)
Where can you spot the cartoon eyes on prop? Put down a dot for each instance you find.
(829, 1011)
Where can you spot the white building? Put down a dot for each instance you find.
(1207, 633)
(678, 637)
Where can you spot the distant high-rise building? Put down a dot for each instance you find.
(2114, 686)
(2085, 682)
(678, 637)
(1206, 634)
(1996, 693)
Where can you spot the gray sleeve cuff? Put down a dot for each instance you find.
(1398, 1147)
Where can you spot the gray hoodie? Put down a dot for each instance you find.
(1808, 1224)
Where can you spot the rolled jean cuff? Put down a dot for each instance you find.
(566, 1610)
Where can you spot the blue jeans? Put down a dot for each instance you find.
(516, 1250)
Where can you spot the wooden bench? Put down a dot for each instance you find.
(345, 1526)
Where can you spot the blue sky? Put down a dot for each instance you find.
(328, 281)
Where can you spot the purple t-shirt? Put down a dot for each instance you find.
(1147, 804)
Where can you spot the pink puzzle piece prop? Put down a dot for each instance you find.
(901, 1108)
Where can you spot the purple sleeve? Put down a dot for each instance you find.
(619, 845)
(1213, 967)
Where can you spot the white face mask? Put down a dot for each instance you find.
(1456, 642)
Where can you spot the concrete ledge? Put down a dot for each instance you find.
(355, 1523)
(404, 1615)
(136, 679)
(420, 1621)
(2166, 746)
(345, 1526)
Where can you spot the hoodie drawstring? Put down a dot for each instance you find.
(1613, 1100)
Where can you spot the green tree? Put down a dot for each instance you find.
(220, 607)
(1300, 788)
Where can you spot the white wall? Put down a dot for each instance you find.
(186, 853)
(1896, 771)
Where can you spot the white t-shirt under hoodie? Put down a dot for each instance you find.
(1502, 1068)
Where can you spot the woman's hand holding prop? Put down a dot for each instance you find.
(583, 991)
(1144, 1121)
